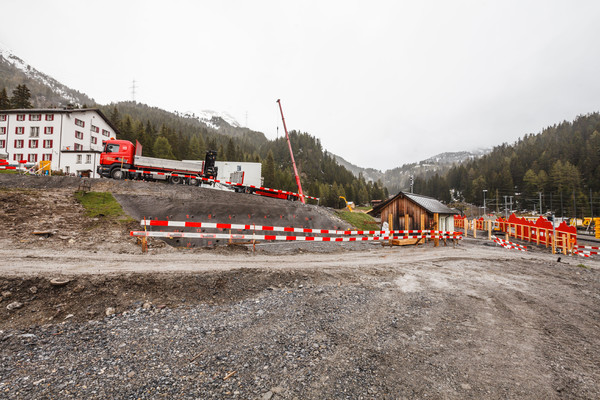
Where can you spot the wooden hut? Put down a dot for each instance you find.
(415, 211)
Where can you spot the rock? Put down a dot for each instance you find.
(79, 288)
(465, 386)
(277, 390)
(147, 305)
(33, 290)
(109, 311)
(267, 396)
(131, 374)
(59, 281)
(14, 306)
(6, 293)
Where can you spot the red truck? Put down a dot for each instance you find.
(121, 159)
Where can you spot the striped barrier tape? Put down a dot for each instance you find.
(278, 191)
(509, 245)
(588, 247)
(195, 235)
(214, 225)
(586, 251)
(8, 167)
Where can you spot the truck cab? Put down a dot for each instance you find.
(117, 155)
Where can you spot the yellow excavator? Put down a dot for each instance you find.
(347, 204)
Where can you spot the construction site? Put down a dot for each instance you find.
(86, 313)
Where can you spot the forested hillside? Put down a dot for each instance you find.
(562, 163)
(168, 135)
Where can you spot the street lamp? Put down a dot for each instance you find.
(484, 190)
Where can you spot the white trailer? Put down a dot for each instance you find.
(244, 173)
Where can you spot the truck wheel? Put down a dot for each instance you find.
(175, 180)
(194, 182)
(116, 173)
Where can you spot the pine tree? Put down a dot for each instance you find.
(269, 170)
(162, 148)
(4, 100)
(195, 150)
(21, 97)
(115, 117)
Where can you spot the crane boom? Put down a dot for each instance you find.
(291, 154)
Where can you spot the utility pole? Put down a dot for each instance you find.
(505, 208)
(540, 193)
(133, 91)
(412, 182)
(497, 202)
(511, 203)
(484, 191)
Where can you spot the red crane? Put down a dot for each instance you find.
(291, 154)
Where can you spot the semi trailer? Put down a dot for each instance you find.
(121, 159)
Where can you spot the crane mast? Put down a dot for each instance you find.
(291, 154)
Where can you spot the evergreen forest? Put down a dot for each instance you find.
(555, 171)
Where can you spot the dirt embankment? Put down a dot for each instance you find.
(291, 321)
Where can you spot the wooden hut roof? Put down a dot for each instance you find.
(428, 203)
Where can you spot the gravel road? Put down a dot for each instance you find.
(85, 315)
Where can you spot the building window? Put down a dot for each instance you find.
(78, 146)
(33, 144)
(49, 117)
(19, 144)
(20, 117)
(32, 158)
(94, 129)
(49, 130)
(17, 157)
(2, 144)
(88, 158)
(2, 130)
(78, 158)
(79, 122)
(35, 117)
(67, 169)
(34, 131)
(47, 144)
(2, 117)
(94, 140)
(47, 157)
(19, 130)
(78, 135)
(105, 132)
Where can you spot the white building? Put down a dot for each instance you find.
(71, 139)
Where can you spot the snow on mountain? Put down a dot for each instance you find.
(68, 95)
(210, 118)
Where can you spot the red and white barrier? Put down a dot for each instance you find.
(196, 235)
(214, 225)
(250, 234)
(278, 191)
(7, 167)
(509, 245)
(586, 251)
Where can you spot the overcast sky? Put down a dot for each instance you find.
(381, 83)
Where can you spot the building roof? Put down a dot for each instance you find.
(428, 203)
(60, 111)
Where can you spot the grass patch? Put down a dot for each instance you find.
(9, 171)
(583, 266)
(359, 220)
(102, 205)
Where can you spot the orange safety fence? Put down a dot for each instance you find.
(538, 231)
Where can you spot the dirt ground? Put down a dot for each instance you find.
(289, 320)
